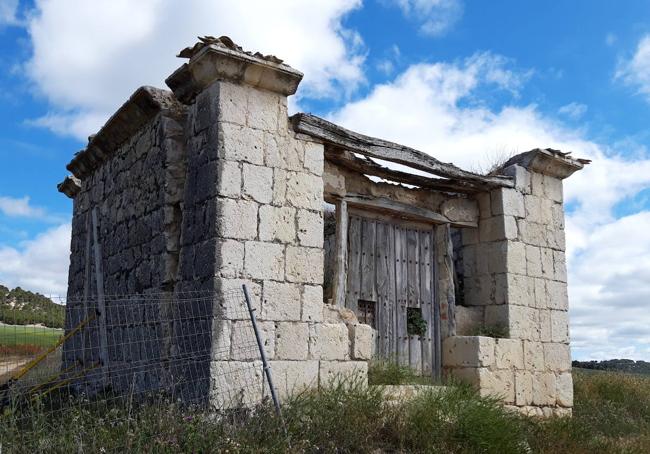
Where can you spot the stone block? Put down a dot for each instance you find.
(515, 290)
(547, 263)
(498, 383)
(237, 219)
(363, 341)
(221, 332)
(304, 265)
(521, 177)
(544, 325)
(509, 202)
(557, 357)
(235, 384)
(468, 351)
(292, 340)
(230, 303)
(523, 322)
(484, 209)
(310, 228)
(244, 344)
(329, 341)
(460, 210)
(523, 387)
(541, 297)
(281, 301)
(559, 266)
(559, 326)
(557, 212)
(533, 233)
(497, 228)
(258, 183)
(312, 303)
(537, 184)
(279, 186)
(562, 412)
(239, 143)
(553, 188)
(557, 297)
(228, 179)
(564, 391)
(277, 224)
(497, 315)
(533, 206)
(263, 110)
(533, 261)
(232, 103)
(314, 157)
(469, 236)
(305, 190)
(509, 354)
(544, 388)
(555, 239)
(292, 377)
(348, 372)
(230, 258)
(468, 319)
(264, 260)
(534, 356)
(283, 153)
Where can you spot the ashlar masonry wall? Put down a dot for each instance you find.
(256, 191)
(515, 281)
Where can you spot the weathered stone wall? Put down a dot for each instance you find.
(515, 282)
(135, 193)
(254, 199)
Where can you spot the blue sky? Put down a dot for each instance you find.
(466, 81)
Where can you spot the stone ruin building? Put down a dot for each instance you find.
(212, 185)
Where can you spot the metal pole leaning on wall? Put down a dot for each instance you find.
(101, 304)
(260, 344)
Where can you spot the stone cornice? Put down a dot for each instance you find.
(548, 162)
(218, 62)
(70, 186)
(140, 108)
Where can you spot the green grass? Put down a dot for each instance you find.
(13, 335)
(390, 373)
(612, 415)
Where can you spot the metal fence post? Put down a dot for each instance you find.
(267, 368)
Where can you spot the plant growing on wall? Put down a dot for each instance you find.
(415, 324)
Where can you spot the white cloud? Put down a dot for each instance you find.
(573, 110)
(88, 57)
(20, 207)
(636, 71)
(434, 16)
(436, 108)
(8, 12)
(40, 264)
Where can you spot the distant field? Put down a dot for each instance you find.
(16, 335)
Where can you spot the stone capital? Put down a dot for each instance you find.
(549, 162)
(218, 62)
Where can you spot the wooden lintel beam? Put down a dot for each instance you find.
(402, 210)
(389, 151)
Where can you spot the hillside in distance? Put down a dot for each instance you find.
(22, 307)
(619, 365)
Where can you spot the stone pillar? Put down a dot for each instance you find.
(256, 194)
(515, 277)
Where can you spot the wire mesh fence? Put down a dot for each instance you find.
(190, 354)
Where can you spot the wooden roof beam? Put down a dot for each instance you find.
(368, 167)
(382, 149)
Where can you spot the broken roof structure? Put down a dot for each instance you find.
(211, 185)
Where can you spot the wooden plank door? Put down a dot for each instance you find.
(390, 273)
